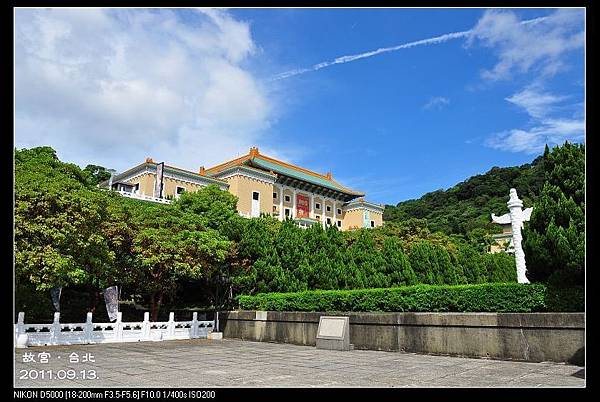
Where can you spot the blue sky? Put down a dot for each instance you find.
(196, 87)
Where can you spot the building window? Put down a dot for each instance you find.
(178, 191)
(339, 223)
(274, 208)
(328, 208)
(372, 224)
(255, 195)
(317, 217)
(136, 188)
(329, 221)
(287, 212)
(317, 206)
(287, 198)
(339, 211)
(274, 195)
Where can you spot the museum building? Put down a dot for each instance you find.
(263, 185)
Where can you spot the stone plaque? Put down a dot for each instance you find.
(331, 327)
(333, 333)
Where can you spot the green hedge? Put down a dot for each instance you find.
(489, 297)
(569, 299)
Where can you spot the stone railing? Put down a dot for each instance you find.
(143, 197)
(118, 331)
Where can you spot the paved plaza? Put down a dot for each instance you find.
(234, 363)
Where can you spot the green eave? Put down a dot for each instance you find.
(307, 220)
(264, 164)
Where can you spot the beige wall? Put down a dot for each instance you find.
(378, 218)
(275, 207)
(328, 214)
(146, 182)
(354, 219)
(287, 204)
(319, 211)
(242, 187)
(170, 186)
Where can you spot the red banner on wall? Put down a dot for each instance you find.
(302, 206)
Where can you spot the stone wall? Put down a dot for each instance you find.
(535, 337)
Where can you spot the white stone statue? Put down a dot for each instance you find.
(515, 218)
(515, 206)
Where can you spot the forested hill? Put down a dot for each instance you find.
(468, 205)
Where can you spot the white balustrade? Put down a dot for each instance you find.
(90, 332)
(143, 197)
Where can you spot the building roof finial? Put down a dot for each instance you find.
(254, 151)
(202, 171)
(149, 160)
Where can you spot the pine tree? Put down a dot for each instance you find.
(500, 268)
(421, 260)
(554, 238)
(398, 268)
(472, 264)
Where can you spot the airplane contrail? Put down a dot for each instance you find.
(347, 59)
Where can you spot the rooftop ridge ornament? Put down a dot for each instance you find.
(515, 206)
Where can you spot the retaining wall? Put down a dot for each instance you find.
(535, 337)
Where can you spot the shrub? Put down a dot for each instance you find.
(565, 299)
(489, 297)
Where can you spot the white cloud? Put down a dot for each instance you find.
(436, 102)
(539, 46)
(532, 141)
(535, 102)
(546, 128)
(429, 41)
(540, 49)
(114, 86)
(349, 58)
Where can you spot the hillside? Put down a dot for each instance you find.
(468, 205)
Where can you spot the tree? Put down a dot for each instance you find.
(433, 265)
(59, 239)
(171, 245)
(398, 268)
(500, 267)
(554, 238)
(96, 174)
(259, 266)
(564, 167)
(473, 266)
(369, 260)
(214, 207)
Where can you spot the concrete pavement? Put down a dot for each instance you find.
(235, 363)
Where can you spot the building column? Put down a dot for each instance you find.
(323, 209)
(312, 205)
(294, 205)
(334, 221)
(281, 203)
